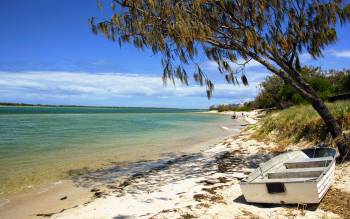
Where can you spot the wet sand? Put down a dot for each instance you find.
(86, 185)
(45, 200)
(202, 184)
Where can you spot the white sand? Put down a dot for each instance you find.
(170, 192)
(250, 116)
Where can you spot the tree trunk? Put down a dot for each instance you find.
(293, 78)
(341, 141)
(325, 114)
(307, 92)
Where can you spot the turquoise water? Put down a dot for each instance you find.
(41, 144)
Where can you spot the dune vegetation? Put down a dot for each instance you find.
(301, 122)
(274, 93)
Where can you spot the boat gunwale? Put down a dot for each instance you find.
(283, 180)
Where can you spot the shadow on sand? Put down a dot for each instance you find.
(310, 207)
(148, 176)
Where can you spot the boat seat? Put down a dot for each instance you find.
(309, 163)
(296, 173)
(265, 180)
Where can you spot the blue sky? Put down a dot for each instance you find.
(48, 55)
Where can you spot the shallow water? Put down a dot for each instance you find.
(41, 144)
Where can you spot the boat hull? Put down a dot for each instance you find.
(295, 192)
(268, 185)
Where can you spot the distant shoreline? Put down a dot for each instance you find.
(83, 188)
(88, 106)
(248, 116)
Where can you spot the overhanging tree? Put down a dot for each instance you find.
(271, 32)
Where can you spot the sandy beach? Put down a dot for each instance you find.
(197, 185)
(143, 109)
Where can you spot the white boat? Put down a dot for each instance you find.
(295, 177)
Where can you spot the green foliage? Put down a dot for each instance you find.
(340, 80)
(322, 85)
(232, 107)
(275, 93)
(302, 122)
(273, 33)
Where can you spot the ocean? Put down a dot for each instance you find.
(40, 145)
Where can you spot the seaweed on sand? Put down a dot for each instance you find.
(337, 201)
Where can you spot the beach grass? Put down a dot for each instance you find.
(300, 122)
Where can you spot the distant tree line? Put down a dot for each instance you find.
(247, 106)
(14, 104)
(275, 93)
(48, 105)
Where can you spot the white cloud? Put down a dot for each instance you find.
(341, 54)
(108, 86)
(212, 65)
(304, 57)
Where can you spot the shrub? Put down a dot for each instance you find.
(301, 122)
(275, 93)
